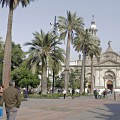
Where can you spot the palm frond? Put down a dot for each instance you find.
(14, 3)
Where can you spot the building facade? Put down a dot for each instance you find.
(106, 68)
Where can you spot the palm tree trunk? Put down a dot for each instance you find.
(44, 79)
(92, 79)
(7, 53)
(67, 62)
(82, 74)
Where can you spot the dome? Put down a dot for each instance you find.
(93, 26)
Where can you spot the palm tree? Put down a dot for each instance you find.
(12, 4)
(67, 27)
(42, 51)
(94, 51)
(85, 42)
(1, 58)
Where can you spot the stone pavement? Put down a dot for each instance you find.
(81, 108)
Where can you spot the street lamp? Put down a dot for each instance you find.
(54, 31)
(54, 27)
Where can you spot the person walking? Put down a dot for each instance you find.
(73, 91)
(12, 98)
(25, 94)
(99, 94)
(64, 93)
(1, 90)
(95, 94)
(104, 93)
(1, 93)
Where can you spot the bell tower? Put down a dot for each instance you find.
(93, 28)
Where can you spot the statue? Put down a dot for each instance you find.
(109, 43)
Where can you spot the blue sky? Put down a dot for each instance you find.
(40, 13)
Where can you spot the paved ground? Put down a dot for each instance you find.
(82, 108)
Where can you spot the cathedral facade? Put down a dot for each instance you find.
(106, 68)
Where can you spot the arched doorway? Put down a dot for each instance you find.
(110, 85)
(109, 78)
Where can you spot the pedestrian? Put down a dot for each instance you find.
(104, 93)
(1, 90)
(64, 93)
(99, 94)
(95, 94)
(12, 99)
(73, 91)
(25, 94)
(1, 93)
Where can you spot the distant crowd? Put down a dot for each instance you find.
(98, 94)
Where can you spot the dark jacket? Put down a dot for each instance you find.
(11, 97)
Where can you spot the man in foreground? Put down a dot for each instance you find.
(12, 99)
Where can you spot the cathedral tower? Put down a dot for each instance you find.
(93, 28)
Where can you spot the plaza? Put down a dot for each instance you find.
(80, 108)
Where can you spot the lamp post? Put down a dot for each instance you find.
(54, 30)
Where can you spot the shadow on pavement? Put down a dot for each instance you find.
(107, 112)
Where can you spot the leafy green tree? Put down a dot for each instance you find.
(17, 55)
(67, 26)
(12, 4)
(74, 78)
(23, 77)
(59, 81)
(73, 81)
(44, 52)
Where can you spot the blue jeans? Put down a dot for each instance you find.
(11, 113)
(1, 111)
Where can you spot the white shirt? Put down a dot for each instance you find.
(99, 92)
(64, 91)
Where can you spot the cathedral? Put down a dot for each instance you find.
(106, 69)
